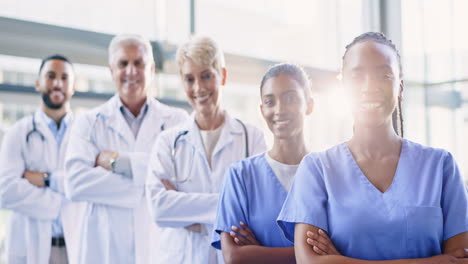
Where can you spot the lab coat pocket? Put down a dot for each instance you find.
(172, 245)
(425, 230)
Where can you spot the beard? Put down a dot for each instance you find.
(49, 103)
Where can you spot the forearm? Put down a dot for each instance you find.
(21, 196)
(333, 259)
(260, 254)
(180, 209)
(98, 185)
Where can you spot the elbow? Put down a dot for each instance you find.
(72, 190)
(233, 256)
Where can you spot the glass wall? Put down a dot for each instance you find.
(435, 55)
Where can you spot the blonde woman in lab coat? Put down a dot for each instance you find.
(188, 162)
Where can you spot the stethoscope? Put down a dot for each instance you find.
(34, 130)
(29, 136)
(174, 152)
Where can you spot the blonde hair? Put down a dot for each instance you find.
(130, 39)
(201, 51)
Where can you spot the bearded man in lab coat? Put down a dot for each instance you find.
(32, 170)
(107, 159)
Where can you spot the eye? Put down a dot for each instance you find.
(268, 102)
(139, 64)
(51, 76)
(64, 77)
(386, 76)
(122, 64)
(189, 80)
(291, 98)
(357, 76)
(207, 76)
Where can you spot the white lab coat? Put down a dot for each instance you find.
(29, 229)
(116, 226)
(195, 200)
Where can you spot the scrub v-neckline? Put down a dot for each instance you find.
(395, 181)
(272, 175)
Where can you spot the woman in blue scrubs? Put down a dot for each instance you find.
(255, 188)
(378, 195)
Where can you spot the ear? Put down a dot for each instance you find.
(37, 85)
(110, 69)
(402, 88)
(310, 106)
(223, 76)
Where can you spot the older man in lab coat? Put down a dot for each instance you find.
(107, 159)
(32, 173)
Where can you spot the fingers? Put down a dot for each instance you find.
(246, 228)
(319, 251)
(168, 185)
(194, 228)
(460, 253)
(249, 236)
(322, 242)
(241, 241)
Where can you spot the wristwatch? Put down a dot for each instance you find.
(46, 178)
(112, 164)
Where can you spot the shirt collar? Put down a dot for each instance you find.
(126, 112)
(51, 123)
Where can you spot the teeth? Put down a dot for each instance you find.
(202, 98)
(281, 122)
(370, 105)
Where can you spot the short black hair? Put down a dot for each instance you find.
(54, 57)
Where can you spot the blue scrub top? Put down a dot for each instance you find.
(425, 204)
(252, 194)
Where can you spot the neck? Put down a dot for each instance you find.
(134, 105)
(210, 120)
(375, 142)
(56, 114)
(289, 151)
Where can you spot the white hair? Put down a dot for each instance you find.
(130, 39)
(201, 50)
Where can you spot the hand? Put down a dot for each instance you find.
(168, 185)
(443, 259)
(321, 243)
(103, 159)
(459, 253)
(35, 178)
(246, 237)
(194, 228)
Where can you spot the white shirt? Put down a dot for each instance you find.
(209, 139)
(284, 172)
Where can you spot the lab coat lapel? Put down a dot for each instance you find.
(193, 137)
(231, 129)
(151, 126)
(50, 144)
(116, 122)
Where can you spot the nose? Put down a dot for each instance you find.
(130, 69)
(369, 84)
(58, 82)
(279, 107)
(196, 86)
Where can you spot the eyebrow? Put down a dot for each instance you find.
(380, 67)
(206, 71)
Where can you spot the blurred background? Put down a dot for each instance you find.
(431, 35)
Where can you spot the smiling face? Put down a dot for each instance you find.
(284, 106)
(202, 86)
(56, 83)
(372, 77)
(132, 71)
